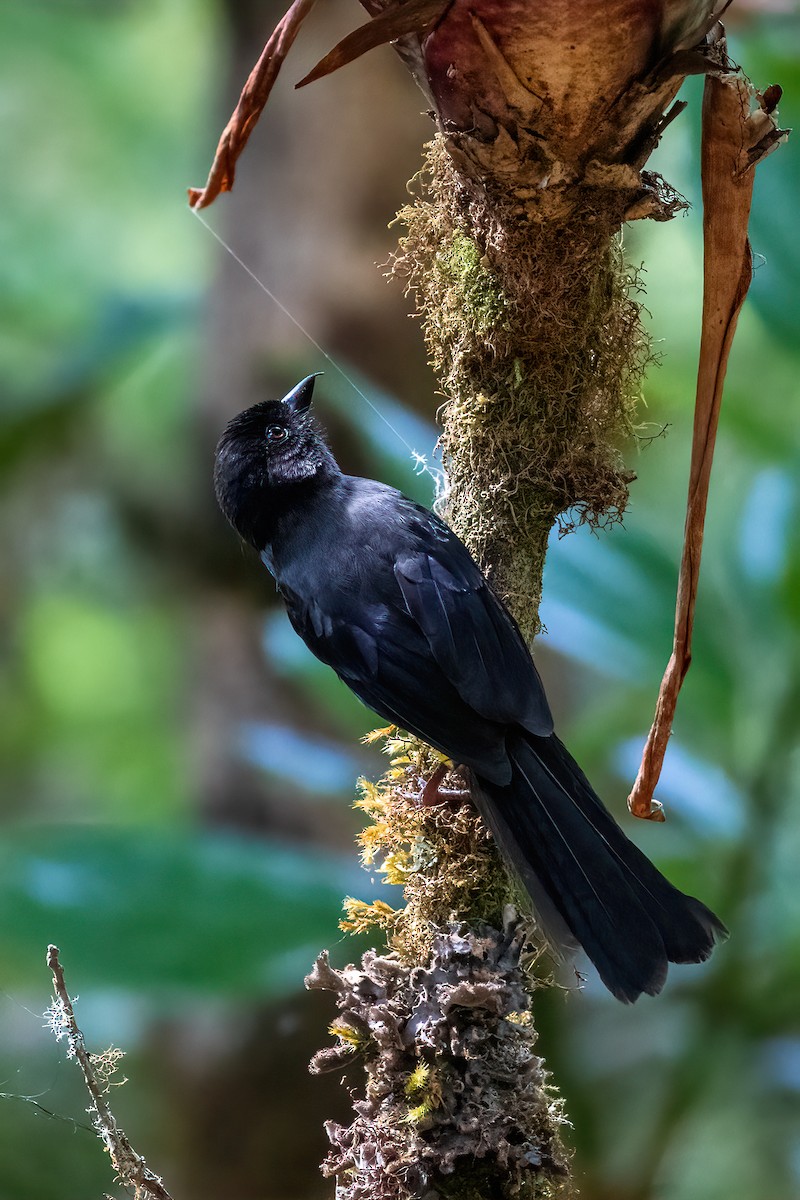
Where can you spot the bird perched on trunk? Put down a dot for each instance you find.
(383, 591)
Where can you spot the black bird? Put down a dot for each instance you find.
(380, 589)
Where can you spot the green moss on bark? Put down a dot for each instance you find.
(534, 334)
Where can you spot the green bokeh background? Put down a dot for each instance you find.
(177, 820)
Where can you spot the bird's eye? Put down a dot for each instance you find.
(276, 433)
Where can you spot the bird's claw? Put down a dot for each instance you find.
(430, 793)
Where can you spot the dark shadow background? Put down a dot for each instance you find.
(176, 770)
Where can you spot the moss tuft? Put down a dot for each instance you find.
(471, 285)
(441, 853)
(534, 333)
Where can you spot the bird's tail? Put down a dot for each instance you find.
(590, 885)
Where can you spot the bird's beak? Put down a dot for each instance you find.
(299, 398)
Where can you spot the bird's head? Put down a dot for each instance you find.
(267, 452)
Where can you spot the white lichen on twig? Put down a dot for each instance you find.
(98, 1069)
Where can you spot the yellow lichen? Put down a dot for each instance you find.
(441, 854)
(361, 917)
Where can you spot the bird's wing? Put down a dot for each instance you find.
(470, 633)
(383, 656)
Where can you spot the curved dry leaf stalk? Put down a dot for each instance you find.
(735, 139)
(396, 21)
(255, 94)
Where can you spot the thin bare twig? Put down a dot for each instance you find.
(734, 140)
(131, 1168)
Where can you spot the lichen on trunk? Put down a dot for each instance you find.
(457, 1104)
(534, 333)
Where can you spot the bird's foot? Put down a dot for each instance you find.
(433, 793)
(430, 793)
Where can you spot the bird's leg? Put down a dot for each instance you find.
(430, 793)
(433, 793)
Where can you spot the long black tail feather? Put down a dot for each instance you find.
(589, 884)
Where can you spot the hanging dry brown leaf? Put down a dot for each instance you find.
(395, 21)
(738, 132)
(255, 94)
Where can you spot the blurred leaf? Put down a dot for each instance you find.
(90, 715)
(158, 912)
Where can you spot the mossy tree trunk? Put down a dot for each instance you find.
(535, 337)
(546, 115)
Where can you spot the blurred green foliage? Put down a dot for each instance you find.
(107, 116)
(163, 913)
